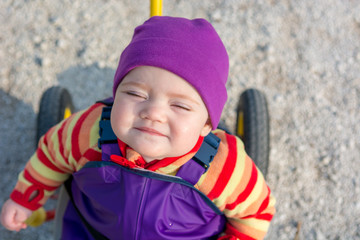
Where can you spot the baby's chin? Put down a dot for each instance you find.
(150, 156)
(156, 150)
(151, 150)
(149, 160)
(153, 155)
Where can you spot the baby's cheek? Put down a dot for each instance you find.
(116, 124)
(188, 141)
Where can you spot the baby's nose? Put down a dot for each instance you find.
(154, 112)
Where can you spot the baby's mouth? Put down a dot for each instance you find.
(150, 131)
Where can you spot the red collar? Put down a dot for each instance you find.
(136, 160)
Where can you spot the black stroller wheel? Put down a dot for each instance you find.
(55, 105)
(253, 127)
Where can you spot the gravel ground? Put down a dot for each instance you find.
(304, 55)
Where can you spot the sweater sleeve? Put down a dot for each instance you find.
(238, 189)
(64, 149)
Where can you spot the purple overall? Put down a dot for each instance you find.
(123, 203)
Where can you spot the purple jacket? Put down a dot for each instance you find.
(116, 202)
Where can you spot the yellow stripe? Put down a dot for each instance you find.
(235, 177)
(169, 169)
(94, 133)
(45, 150)
(70, 129)
(272, 201)
(258, 224)
(55, 145)
(200, 182)
(254, 196)
(46, 172)
(67, 145)
(22, 179)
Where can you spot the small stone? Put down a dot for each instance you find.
(37, 39)
(102, 64)
(62, 44)
(326, 160)
(44, 46)
(46, 62)
(358, 56)
(216, 16)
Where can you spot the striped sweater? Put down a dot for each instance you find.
(232, 182)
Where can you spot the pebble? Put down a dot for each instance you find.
(46, 62)
(216, 16)
(62, 44)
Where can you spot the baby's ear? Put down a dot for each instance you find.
(206, 129)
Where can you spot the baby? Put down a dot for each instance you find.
(169, 92)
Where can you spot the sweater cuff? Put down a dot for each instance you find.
(24, 198)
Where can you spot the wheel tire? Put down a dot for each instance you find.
(253, 127)
(55, 105)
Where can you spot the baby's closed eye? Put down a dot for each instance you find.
(136, 94)
(181, 106)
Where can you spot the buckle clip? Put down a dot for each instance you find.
(106, 133)
(207, 151)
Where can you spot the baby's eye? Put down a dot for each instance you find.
(136, 94)
(182, 107)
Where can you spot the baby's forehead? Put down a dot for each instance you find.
(160, 81)
(149, 75)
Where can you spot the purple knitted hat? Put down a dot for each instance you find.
(189, 48)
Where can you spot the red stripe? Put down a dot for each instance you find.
(265, 216)
(61, 145)
(265, 203)
(19, 198)
(76, 132)
(28, 177)
(249, 188)
(227, 170)
(92, 155)
(45, 138)
(42, 157)
(231, 231)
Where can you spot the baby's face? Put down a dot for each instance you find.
(158, 113)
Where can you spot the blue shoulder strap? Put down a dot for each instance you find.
(105, 131)
(107, 141)
(191, 171)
